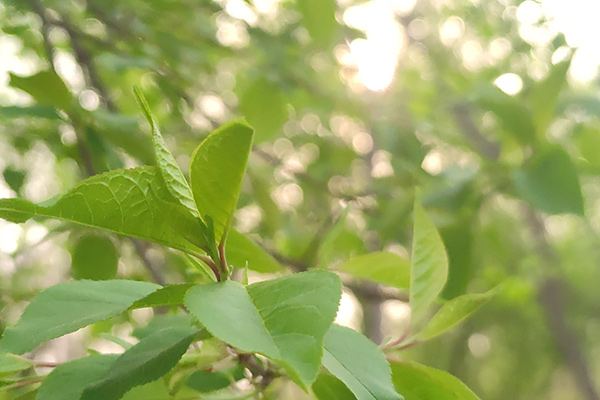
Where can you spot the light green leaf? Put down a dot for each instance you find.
(328, 387)
(46, 87)
(169, 170)
(544, 96)
(264, 107)
(94, 257)
(131, 202)
(383, 267)
(148, 360)
(359, 363)
(241, 249)
(418, 382)
(550, 182)
(11, 364)
(318, 17)
(284, 319)
(67, 381)
(216, 173)
(429, 263)
(69, 306)
(452, 313)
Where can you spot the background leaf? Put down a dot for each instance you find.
(359, 363)
(383, 267)
(46, 87)
(67, 381)
(148, 360)
(284, 319)
(418, 382)
(216, 173)
(69, 306)
(264, 107)
(94, 257)
(550, 182)
(241, 249)
(429, 264)
(328, 387)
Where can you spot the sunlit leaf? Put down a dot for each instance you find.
(264, 107)
(383, 267)
(318, 17)
(544, 96)
(242, 250)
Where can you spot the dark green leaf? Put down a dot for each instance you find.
(148, 360)
(163, 321)
(205, 382)
(359, 363)
(216, 173)
(67, 381)
(418, 382)
(284, 319)
(550, 182)
(37, 111)
(69, 306)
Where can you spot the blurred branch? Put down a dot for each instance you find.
(39, 9)
(480, 143)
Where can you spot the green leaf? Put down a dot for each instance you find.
(148, 360)
(94, 257)
(206, 382)
(67, 381)
(359, 363)
(544, 96)
(418, 382)
(452, 313)
(550, 182)
(328, 387)
(284, 319)
(241, 249)
(429, 263)
(163, 321)
(264, 107)
(318, 17)
(173, 178)
(514, 116)
(37, 111)
(216, 173)
(69, 306)
(11, 364)
(383, 267)
(170, 295)
(131, 202)
(46, 87)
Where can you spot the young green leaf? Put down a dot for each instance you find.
(418, 382)
(67, 381)
(131, 202)
(69, 306)
(328, 387)
(169, 170)
(383, 267)
(452, 313)
(216, 173)
(359, 363)
(429, 263)
(242, 250)
(550, 182)
(148, 360)
(284, 319)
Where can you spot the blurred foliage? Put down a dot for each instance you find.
(510, 177)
